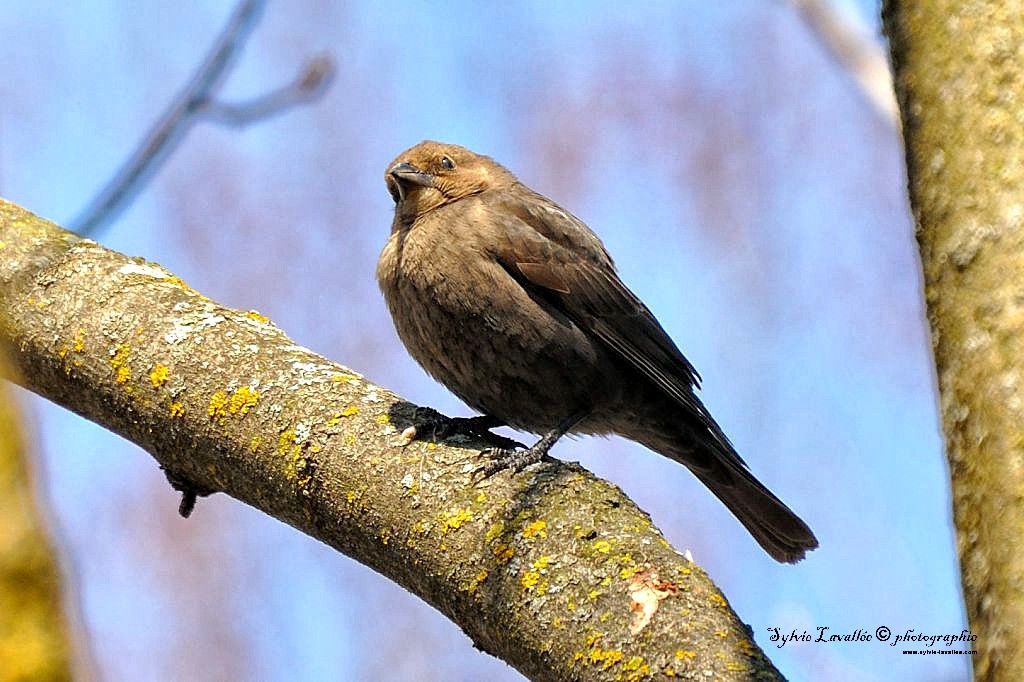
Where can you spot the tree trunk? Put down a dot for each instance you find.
(35, 640)
(959, 74)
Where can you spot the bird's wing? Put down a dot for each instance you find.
(552, 252)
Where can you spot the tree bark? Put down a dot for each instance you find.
(552, 570)
(959, 73)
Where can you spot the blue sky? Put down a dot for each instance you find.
(746, 191)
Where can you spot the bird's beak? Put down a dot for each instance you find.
(406, 174)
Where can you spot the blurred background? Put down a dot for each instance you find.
(747, 190)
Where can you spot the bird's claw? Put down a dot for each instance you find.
(507, 458)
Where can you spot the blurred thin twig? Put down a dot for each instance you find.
(198, 99)
(856, 51)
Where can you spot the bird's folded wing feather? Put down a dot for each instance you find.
(553, 253)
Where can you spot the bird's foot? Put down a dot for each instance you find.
(429, 423)
(509, 458)
(517, 460)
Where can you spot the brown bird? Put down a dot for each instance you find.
(514, 304)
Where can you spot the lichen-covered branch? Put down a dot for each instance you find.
(959, 78)
(553, 570)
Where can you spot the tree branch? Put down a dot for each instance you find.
(858, 53)
(197, 99)
(553, 570)
(958, 75)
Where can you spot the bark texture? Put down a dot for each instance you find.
(959, 68)
(553, 570)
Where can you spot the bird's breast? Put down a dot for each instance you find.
(474, 328)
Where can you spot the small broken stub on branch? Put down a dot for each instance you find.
(189, 493)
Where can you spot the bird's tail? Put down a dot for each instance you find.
(776, 528)
(714, 462)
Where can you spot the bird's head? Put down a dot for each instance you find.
(432, 174)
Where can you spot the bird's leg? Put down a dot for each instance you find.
(517, 460)
(429, 421)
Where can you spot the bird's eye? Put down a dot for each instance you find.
(447, 163)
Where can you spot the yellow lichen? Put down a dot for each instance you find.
(475, 582)
(239, 402)
(350, 411)
(253, 315)
(80, 341)
(717, 599)
(254, 444)
(158, 376)
(296, 468)
(481, 497)
(382, 419)
(178, 282)
(602, 546)
(606, 658)
(535, 528)
(242, 400)
(543, 587)
(341, 376)
(177, 409)
(287, 445)
(119, 363)
(542, 563)
(503, 553)
(722, 633)
(454, 520)
(628, 572)
(636, 668)
(530, 579)
(218, 407)
(494, 531)
(684, 655)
